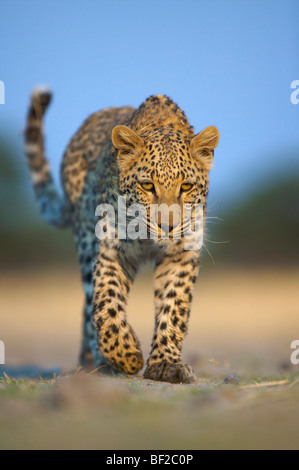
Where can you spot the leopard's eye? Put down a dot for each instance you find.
(147, 186)
(186, 187)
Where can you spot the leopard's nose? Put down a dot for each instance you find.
(167, 228)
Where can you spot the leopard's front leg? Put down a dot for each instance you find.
(112, 282)
(174, 281)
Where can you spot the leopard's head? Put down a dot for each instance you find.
(168, 168)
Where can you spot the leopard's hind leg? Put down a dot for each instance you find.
(90, 357)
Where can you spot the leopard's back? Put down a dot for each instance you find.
(87, 146)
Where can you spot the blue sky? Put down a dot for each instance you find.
(227, 63)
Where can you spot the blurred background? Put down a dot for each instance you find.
(226, 63)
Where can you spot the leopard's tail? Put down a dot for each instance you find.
(53, 206)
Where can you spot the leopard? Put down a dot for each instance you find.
(149, 155)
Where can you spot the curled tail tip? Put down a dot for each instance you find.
(42, 94)
(41, 90)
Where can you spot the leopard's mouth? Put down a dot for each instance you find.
(163, 238)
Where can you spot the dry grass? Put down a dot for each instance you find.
(90, 412)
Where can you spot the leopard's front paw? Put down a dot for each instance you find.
(168, 372)
(121, 349)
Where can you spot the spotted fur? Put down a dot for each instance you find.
(113, 153)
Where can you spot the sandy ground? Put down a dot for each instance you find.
(240, 321)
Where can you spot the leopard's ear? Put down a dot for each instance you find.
(202, 146)
(128, 144)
